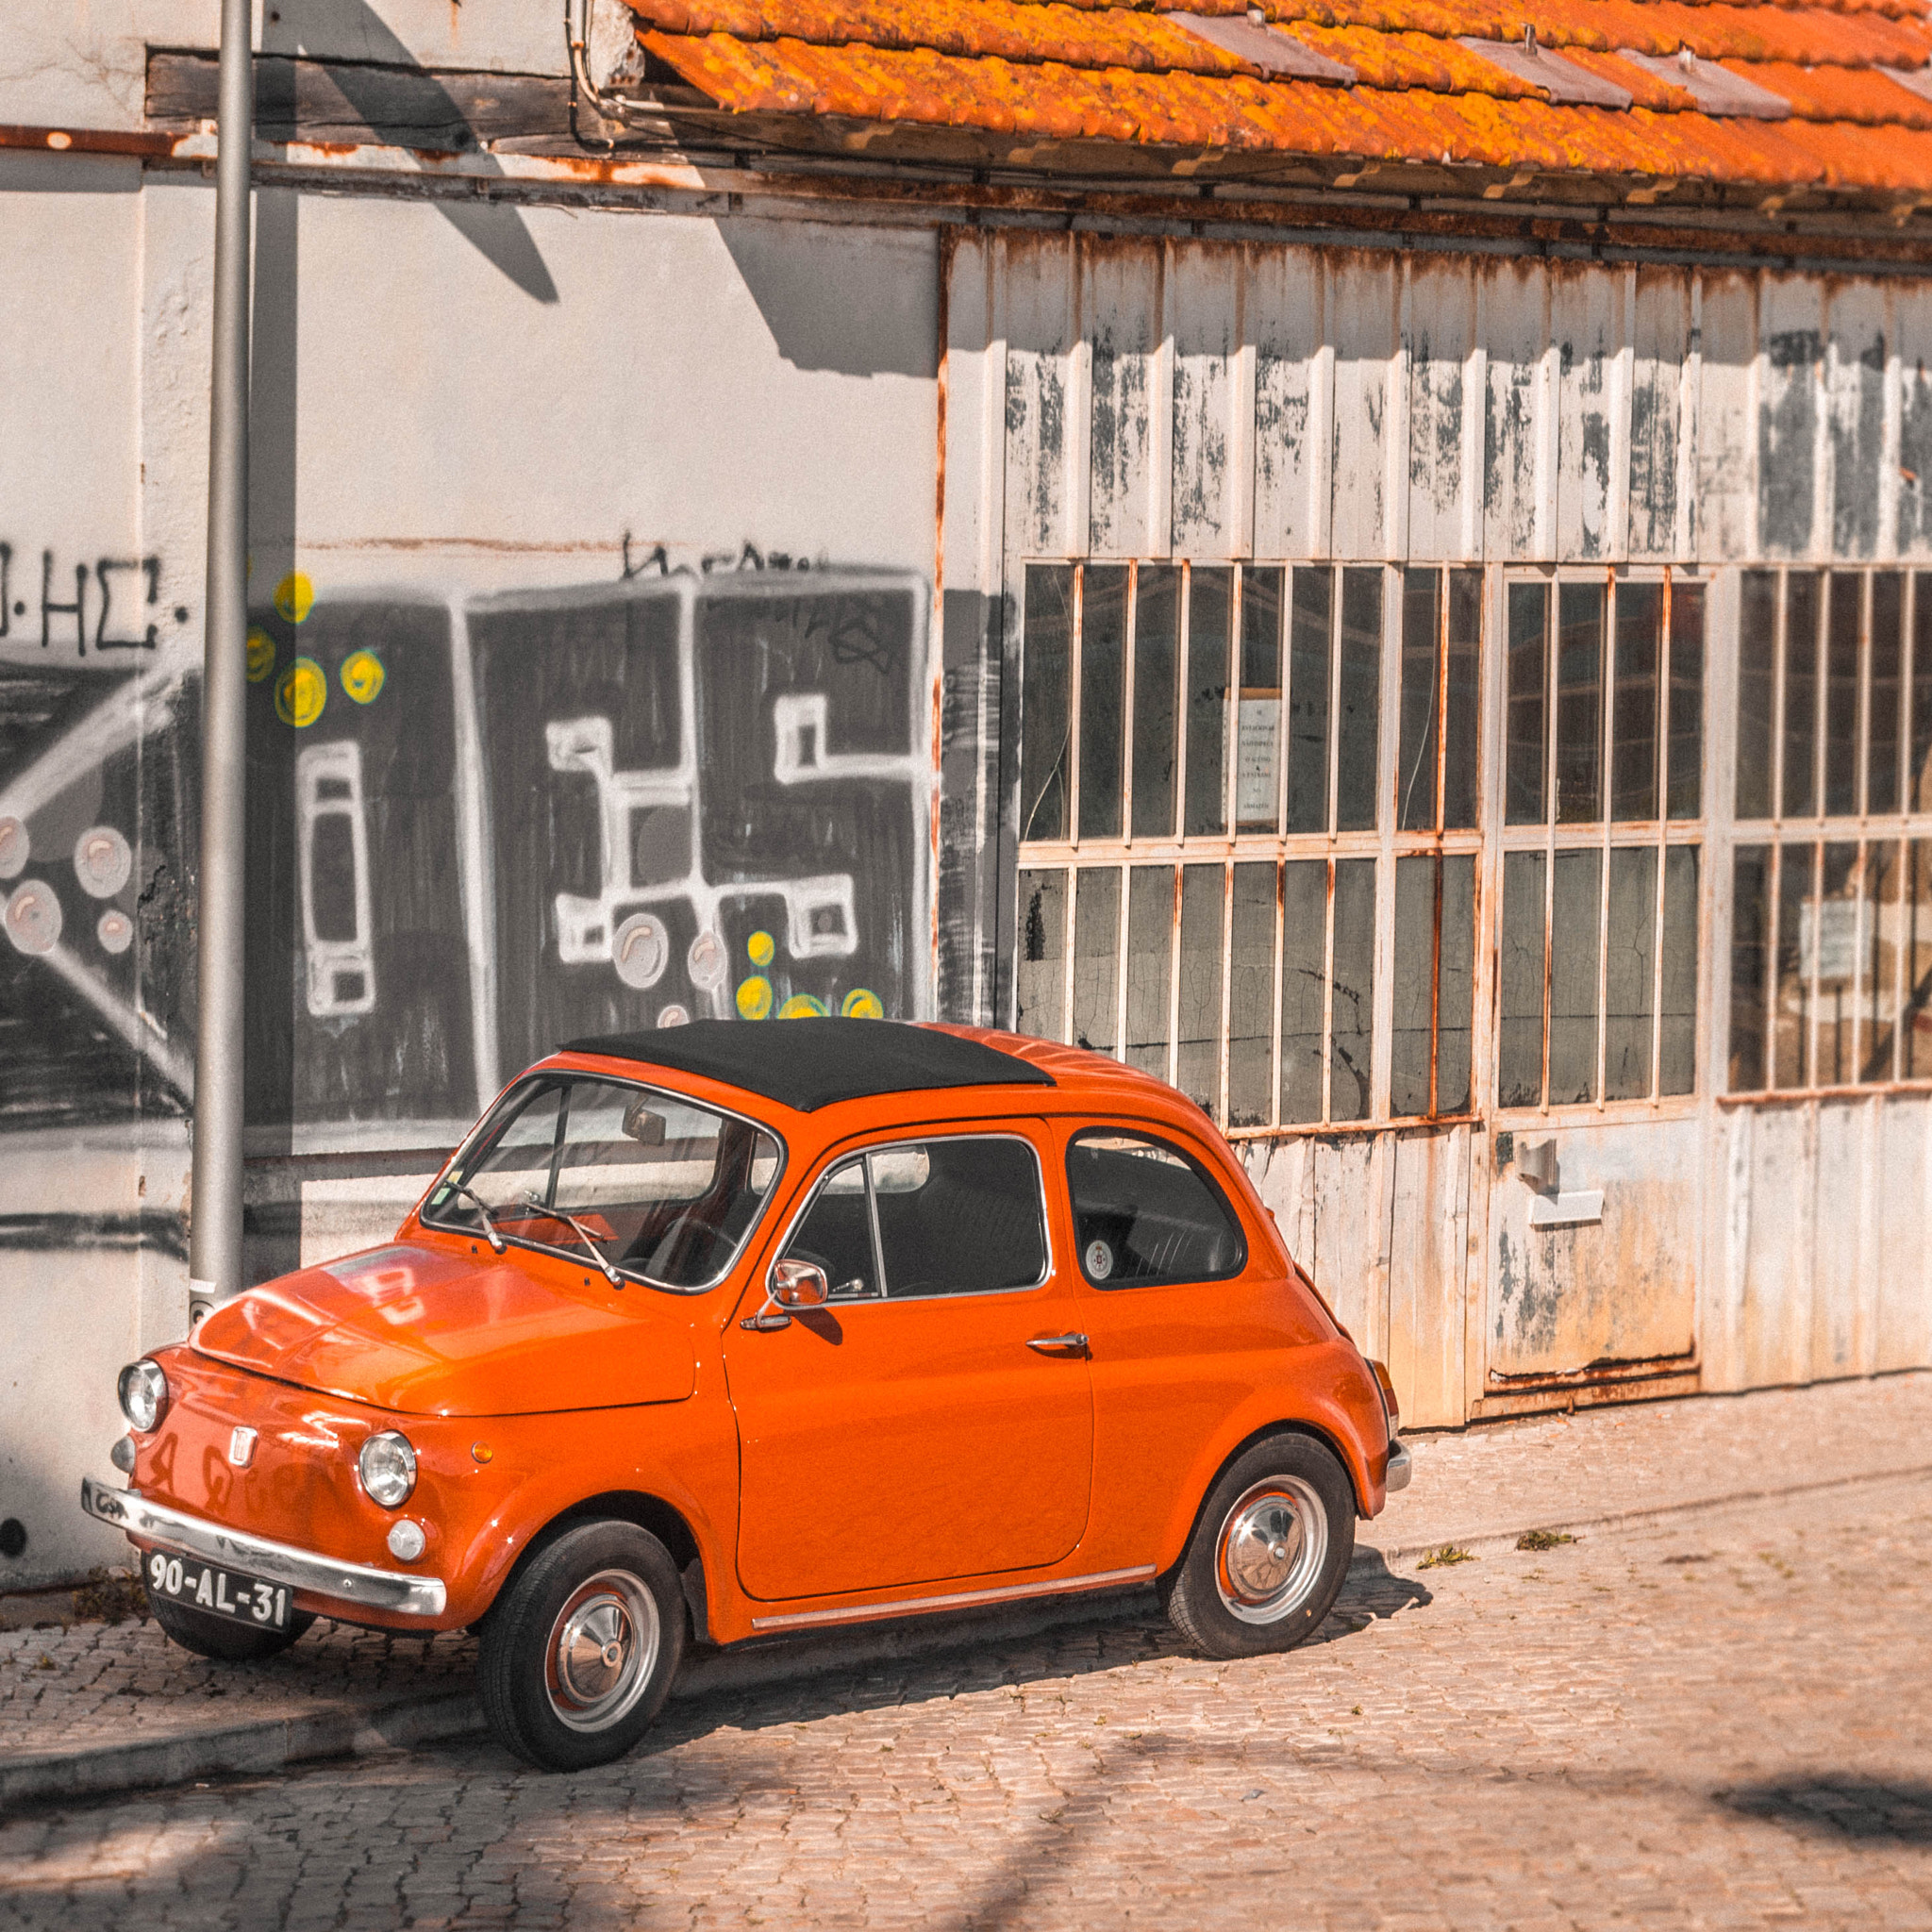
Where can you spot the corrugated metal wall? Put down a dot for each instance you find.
(1121, 397)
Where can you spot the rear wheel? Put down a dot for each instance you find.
(578, 1656)
(215, 1637)
(1268, 1552)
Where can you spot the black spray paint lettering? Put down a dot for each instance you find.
(117, 610)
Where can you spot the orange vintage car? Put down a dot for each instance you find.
(725, 1331)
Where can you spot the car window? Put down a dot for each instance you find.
(963, 1215)
(1145, 1212)
(662, 1188)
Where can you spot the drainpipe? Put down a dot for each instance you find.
(214, 1255)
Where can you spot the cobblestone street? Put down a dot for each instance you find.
(1723, 1721)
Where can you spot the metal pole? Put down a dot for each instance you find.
(214, 1262)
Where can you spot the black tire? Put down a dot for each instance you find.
(610, 1580)
(1285, 1511)
(215, 1637)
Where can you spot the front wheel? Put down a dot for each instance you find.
(578, 1656)
(1268, 1552)
(217, 1637)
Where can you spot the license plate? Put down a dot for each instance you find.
(220, 1592)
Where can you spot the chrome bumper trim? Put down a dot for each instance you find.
(351, 1583)
(957, 1600)
(1401, 1467)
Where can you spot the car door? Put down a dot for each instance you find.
(928, 1423)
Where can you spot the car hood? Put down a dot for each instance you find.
(428, 1333)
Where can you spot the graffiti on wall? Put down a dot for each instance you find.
(478, 826)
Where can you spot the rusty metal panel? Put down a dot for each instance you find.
(1442, 413)
(1038, 298)
(1294, 399)
(1837, 1179)
(1660, 348)
(1726, 472)
(1790, 355)
(1854, 373)
(1203, 300)
(1518, 447)
(1428, 1257)
(1362, 331)
(1900, 1274)
(1594, 1260)
(1120, 301)
(1586, 324)
(1912, 351)
(1771, 1227)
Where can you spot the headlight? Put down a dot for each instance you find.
(143, 1392)
(388, 1467)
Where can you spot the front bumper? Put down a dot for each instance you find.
(1401, 1467)
(305, 1570)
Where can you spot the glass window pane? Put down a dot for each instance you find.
(1686, 786)
(1750, 966)
(1354, 1000)
(1634, 719)
(1045, 724)
(1197, 1059)
(836, 1235)
(1455, 985)
(1529, 618)
(969, 1219)
(1103, 672)
(1677, 1063)
(1257, 748)
(1630, 972)
(1145, 1212)
(1833, 941)
(1097, 958)
(1309, 663)
(1041, 984)
(1157, 664)
(1251, 996)
(1416, 880)
(1356, 790)
(1915, 935)
(1150, 960)
(1847, 602)
(1919, 766)
(1791, 1012)
(1803, 609)
(1520, 1057)
(1579, 702)
(1304, 962)
(1422, 661)
(1757, 690)
(1888, 649)
(1210, 610)
(1464, 713)
(1884, 877)
(1575, 918)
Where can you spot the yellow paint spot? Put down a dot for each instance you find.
(755, 997)
(363, 677)
(295, 596)
(802, 1006)
(261, 656)
(862, 1003)
(761, 948)
(301, 692)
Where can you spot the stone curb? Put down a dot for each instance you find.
(272, 1744)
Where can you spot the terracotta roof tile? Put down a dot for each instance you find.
(1036, 71)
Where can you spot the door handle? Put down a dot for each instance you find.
(1060, 1344)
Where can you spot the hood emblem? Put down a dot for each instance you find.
(241, 1448)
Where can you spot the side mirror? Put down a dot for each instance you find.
(800, 1285)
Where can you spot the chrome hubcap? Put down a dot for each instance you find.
(602, 1650)
(1273, 1546)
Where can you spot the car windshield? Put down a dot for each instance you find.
(661, 1187)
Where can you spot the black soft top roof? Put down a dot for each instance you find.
(806, 1064)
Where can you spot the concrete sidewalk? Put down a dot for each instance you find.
(95, 1708)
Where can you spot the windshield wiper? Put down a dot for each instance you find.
(584, 1235)
(470, 1193)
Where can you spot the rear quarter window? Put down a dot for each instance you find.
(1145, 1212)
